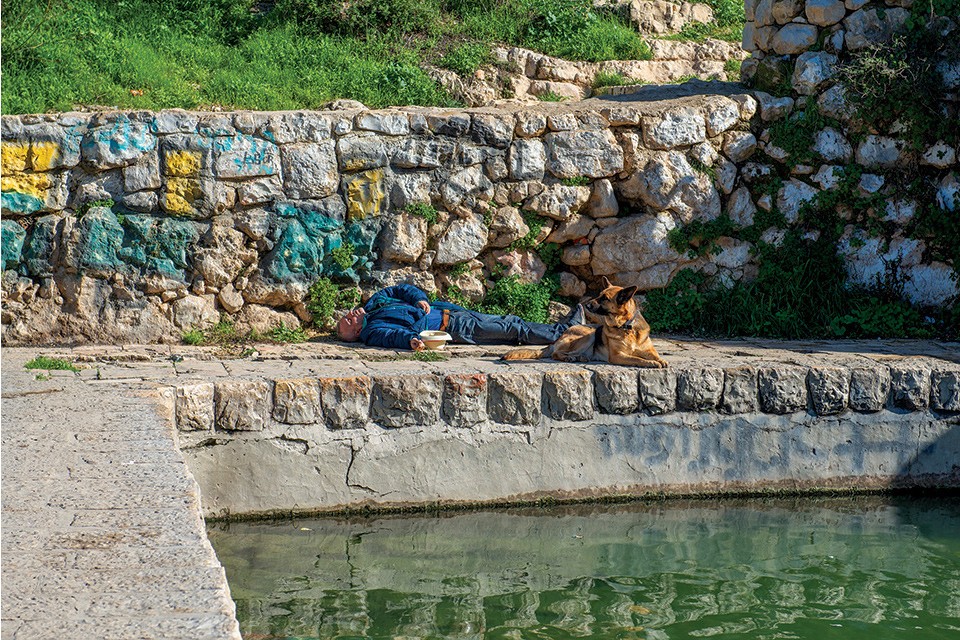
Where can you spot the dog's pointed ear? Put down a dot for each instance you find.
(624, 296)
(604, 282)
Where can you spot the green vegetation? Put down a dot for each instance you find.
(529, 301)
(343, 256)
(143, 54)
(729, 18)
(424, 210)
(51, 364)
(550, 96)
(283, 335)
(222, 334)
(579, 181)
(325, 297)
(604, 79)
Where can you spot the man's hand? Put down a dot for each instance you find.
(423, 304)
(416, 344)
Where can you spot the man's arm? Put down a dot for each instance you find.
(391, 337)
(405, 292)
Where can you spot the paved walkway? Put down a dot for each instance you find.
(101, 533)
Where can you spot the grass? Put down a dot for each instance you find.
(51, 364)
(141, 54)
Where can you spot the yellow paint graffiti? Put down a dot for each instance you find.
(31, 184)
(44, 155)
(181, 194)
(365, 194)
(13, 157)
(185, 164)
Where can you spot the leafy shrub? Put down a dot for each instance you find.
(465, 58)
(343, 256)
(325, 297)
(426, 211)
(283, 335)
(529, 301)
(50, 364)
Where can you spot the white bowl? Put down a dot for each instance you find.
(435, 339)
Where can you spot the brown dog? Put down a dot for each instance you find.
(623, 336)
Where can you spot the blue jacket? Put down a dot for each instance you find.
(393, 319)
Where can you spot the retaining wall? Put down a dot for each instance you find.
(305, 444)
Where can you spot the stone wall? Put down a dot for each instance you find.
(239, 213)
(264, 445)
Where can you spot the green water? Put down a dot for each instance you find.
(848, 568)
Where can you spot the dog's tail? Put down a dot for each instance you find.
(527, 354)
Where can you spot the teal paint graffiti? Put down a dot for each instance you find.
(12, 236)
(21, 203)
(39, 250)
(245, 156)
(101, 237)
(304, 240)
(159, 245)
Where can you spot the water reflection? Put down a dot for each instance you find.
(847, 568)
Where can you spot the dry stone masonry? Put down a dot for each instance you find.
(325, 443)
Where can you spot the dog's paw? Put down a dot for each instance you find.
(661, 364)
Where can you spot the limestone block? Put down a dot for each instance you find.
(829, 390)
(832, 146)
(603, 202)
(116, 144)
(346, 402)
(296, 126)
(910, 387)
(195, 311)
(194, 198)
(223, 256)
(676, 127)
(243, 156)
(242, 406)
(571, 286)
(401, 401)
(361, 152)
(739, 145)
(558, 201)
(506, 226)
(194, 403)
(699, 389)
(13, 236)
(530, 124)
(515, 398)
(658, 390)
(824, 13)
(740, 207)
(867, 27)
(492, 130)
(792, 196)
(143, 175)
(782, 390)
(794, 38)
(389, 123)
(569, 395)
(747, 105)
(833, 103)
(465, 399)
(931, 284)
(619, 116)
(594, 154)
(617, 390)
(261, 190)
(525, 264)
(772, 108)
(562, 122)
(869, 389)
(449, 124)
(175, 121)
(527, 159)
(879, 152)
(417, 153)
(296, 401)
(463, 240)
(576, 227)
(403, 238)
(668, 181)
(948, 192)
(726, 175)
(813, 69)
(186, 156)
(409, 189)
(945, 391)
(576, 255)
(465, 186)
(785, 11)
(616, 248)
(720, 113)
(229, 298)
(739, 390)
(940, 155)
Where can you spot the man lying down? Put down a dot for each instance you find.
(395, 316)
